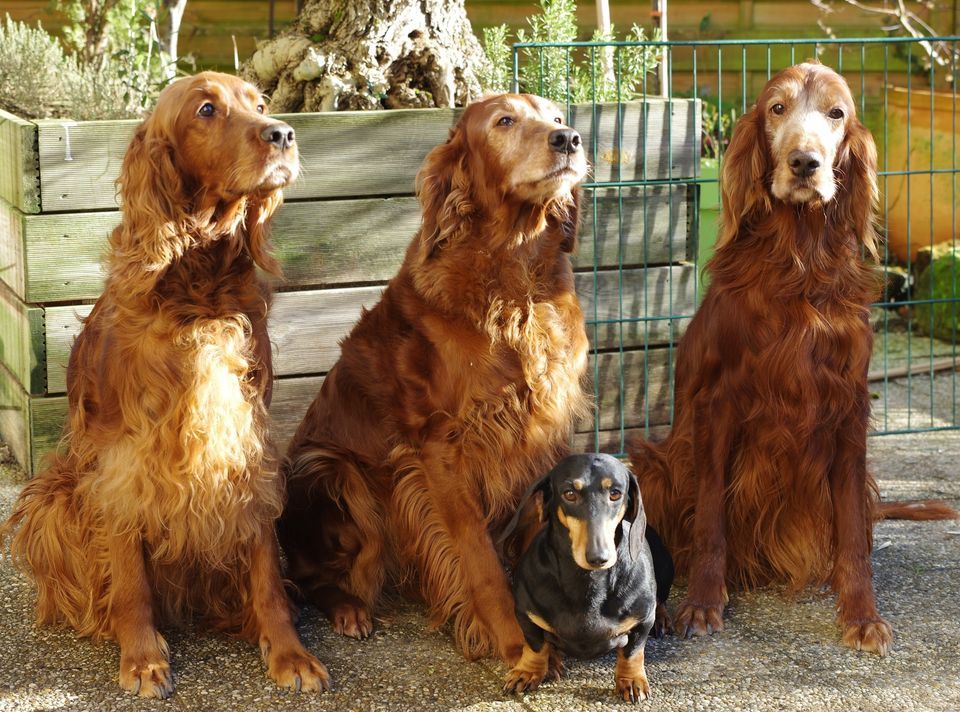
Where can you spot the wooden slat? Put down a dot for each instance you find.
(368, 153)
(22, 342)
(306, 326)
(19, 178)
(653, 139)
(15, 417)
(615, 441)
(337, 241)
(643, 382)
(12, 260)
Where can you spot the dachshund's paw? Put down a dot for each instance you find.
(662, 625)
(351, 618)
(520, 680)
(693, 619)
(555, 666)
(873, 636)
(511, 654)
(297, 670)
(146, 676)
(634, 688)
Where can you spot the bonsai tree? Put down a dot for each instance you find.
(370, 54)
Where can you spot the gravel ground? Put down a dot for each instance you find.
(776, 653)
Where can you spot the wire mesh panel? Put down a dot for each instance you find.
(653, 204)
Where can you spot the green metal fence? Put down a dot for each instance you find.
(910, 104)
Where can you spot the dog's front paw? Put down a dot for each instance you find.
(146, 675)
(662, 625)
(694, 619)
(527, 674)
(298, 670)
(351, 618)
(873, 636)
(633, 689)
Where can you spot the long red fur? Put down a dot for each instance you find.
(158, 506)
(450, 396)
(763, 477)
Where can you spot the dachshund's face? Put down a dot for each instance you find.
(591, 496)
(223, 141)
(529, 152)
(807, 111)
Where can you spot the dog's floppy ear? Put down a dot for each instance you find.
(857, 198)
(443, 188)
(636, 517)
(542, 485)
(743, 178)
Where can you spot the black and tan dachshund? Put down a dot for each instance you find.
(594, 579)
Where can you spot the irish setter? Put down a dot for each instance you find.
(160, 504)
(763, 477)
(452, 394)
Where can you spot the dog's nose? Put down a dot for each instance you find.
(803, 163)
(279, 135)
(565, 141)
(598, 561)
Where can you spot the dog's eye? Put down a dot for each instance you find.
(506, 121)
(836, 113)
(569, 495)
(558, 120)
(207, 110)
(778, 108)
(615, 495)
(261, 108)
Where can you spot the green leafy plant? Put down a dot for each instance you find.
(38, 79)
(563, 74)
(717, 128)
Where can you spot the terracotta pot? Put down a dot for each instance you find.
(922, 206)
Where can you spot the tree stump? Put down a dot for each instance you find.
(370, 54)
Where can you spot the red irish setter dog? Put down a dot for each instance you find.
(456, 391)
(764, 477)
(160, 504)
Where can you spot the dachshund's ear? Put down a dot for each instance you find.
(443, 187)
(543, 486)
(857, 194)
(743, 178)
(636, 517)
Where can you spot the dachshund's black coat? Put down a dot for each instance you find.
(595, 578)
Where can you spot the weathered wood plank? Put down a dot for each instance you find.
(22, 341)
(615, 441)
(306, 326)
(15, 418)
(19, 171)
(12, 258)
(353, 154)
(339, 241)
(645, 380)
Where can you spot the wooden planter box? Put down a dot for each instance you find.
(340, 235)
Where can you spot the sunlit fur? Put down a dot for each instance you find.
(166, 454)
(453, 393)
(763, 477)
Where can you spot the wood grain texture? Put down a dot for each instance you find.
(329, 242)
(366, 153)
(22, 342)
(19, 169)
(645, 380)
(12, 258)
(306, 326)
(15, 419)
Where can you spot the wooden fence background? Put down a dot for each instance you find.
(340, 236)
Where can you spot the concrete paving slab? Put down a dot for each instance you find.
(776, 653)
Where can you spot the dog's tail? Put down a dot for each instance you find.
(926, 510)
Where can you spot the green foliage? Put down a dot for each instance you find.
(38, 79)
(565, 74)
(717, 128)
(939, 281)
